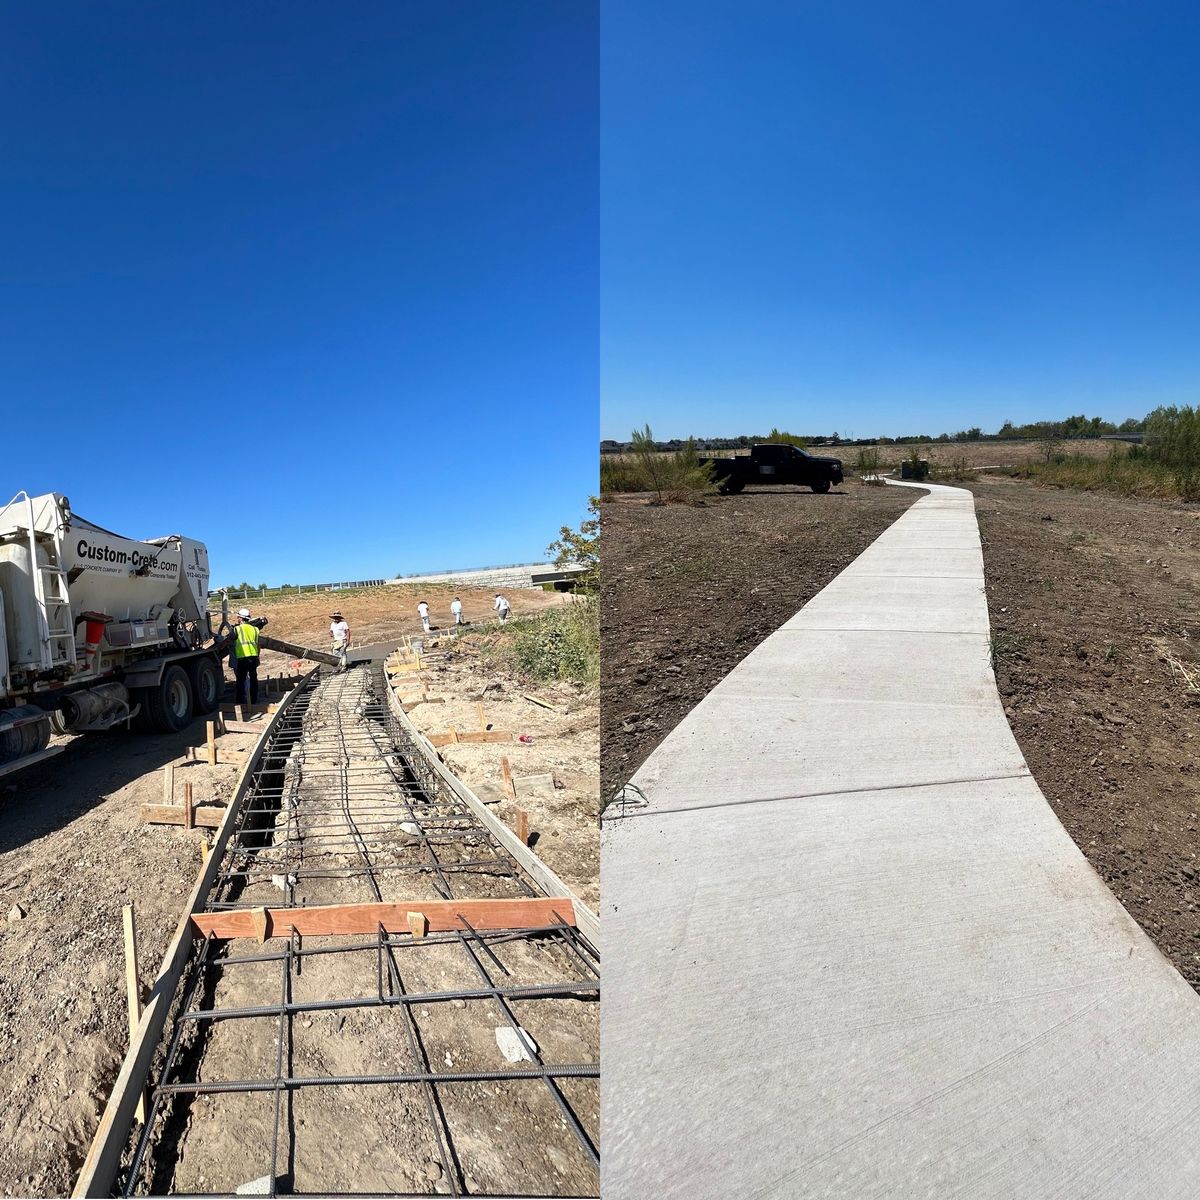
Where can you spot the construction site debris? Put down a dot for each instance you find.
(515, 1044)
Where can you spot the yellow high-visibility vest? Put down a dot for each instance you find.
(247, 640)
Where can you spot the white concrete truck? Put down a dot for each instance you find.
(97, 629)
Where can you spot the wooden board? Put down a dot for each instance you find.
(440, 916)
(483, 736)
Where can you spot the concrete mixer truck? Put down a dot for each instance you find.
(97, 629)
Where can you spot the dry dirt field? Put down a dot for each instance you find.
(564, 820)
(973, 454)
(385, 614)
(73, 849)
(1095, 628)
(689, 591)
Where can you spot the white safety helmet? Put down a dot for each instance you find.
(243, 613)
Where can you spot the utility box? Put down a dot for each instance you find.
(917, 470)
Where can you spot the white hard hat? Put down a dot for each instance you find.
(243, 612)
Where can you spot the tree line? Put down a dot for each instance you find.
(1080, 426)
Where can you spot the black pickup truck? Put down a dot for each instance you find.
(775, 462)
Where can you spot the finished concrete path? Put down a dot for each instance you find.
(853, 953)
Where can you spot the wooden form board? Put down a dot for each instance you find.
(451, 737)
(585, 920)
(441, 916)
(99, 1170)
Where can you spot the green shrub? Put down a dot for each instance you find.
(679, 476)
(562, 643)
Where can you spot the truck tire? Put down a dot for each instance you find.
(731, 487)
(169, 707)
(208, 685)
(27, 739)
(821, 487)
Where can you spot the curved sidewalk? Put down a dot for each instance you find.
(855, 954)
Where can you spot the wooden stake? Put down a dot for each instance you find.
(245, 711)
(506, 774)
(523, 826)
(418, 924)
(168, 784)
(261, 920)
(188, 818)
(482, 723)
(212, 743)
(133, 988)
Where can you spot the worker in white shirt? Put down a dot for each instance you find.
(456, 610)
(501, 606)
(423, 611)
(339, 636)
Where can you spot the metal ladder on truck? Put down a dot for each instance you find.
(55, 626)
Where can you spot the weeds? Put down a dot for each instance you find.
(563, 643)
(1166, 466)
(673, 478)
(867, 464)
(957, 468)
(1005, 646)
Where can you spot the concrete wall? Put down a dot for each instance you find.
(520, 576)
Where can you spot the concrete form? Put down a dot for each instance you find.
(856, 954)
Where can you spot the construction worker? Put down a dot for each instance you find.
(245, 651)
(339, 635)
(501, 606)
(456, 610)
(423, 611)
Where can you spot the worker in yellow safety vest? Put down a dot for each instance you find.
(245, 657)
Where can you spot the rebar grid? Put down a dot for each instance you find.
(274, 822)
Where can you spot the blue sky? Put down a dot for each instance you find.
(897, 218)
(352, 247)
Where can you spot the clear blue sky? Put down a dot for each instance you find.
(894, 218)
(352, 246)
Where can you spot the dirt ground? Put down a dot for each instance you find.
(688, 592)
(1096, 633)
(386, 614)
(564, 819)
(73, 850)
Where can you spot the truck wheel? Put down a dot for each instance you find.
(28, 739)
(731, 487)
(12, 745)
(208, 685)
(822, 487)
(169, 707)
(37, 737)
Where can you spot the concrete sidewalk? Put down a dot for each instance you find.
(854, 953)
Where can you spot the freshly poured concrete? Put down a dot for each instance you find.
(855, 953)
